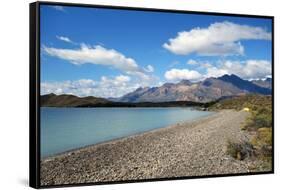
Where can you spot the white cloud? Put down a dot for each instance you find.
(205, 65)
(215, 72)
(106, 87)
(65, 39)
(82, 86)
(122, 78)
(219, 39)
(180, 74)
(149, 68)
(100, 56)
(192, 62)
(249, 69)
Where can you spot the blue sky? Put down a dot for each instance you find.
(107, 53)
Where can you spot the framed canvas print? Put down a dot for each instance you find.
(120, 94)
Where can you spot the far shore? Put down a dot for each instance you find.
(192, 148)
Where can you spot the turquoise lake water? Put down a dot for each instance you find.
(64, 129)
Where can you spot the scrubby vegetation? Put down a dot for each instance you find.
(259, 124)
(240, 151)
(251, 101)
(261, 117)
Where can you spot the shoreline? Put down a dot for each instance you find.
(69, 152)
(187, 149)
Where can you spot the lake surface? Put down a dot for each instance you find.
(64, 129)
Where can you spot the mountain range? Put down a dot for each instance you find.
(66, 100)
(266, 83)
(183, 93)
(207, 90)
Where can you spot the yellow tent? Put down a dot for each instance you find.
(246, 109)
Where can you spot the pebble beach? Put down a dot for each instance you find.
(195, 148)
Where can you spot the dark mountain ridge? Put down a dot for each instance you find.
(244, 84)
(207, 90)
(265, 83)
(65, 100)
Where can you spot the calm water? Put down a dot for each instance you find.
(63, 129)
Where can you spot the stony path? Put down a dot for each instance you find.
(189, 149)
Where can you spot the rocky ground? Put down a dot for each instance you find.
(188, 149)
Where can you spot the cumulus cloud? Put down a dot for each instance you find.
(105, 87)
(180, 74)
(65, 39)
(122, 78)
(215, 72)
(249, 69)
(219, 39)
(100, 56)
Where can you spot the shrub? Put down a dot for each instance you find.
(263, 120)
(259, 120)
(240, 151)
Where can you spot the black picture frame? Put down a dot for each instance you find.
(34, 90)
